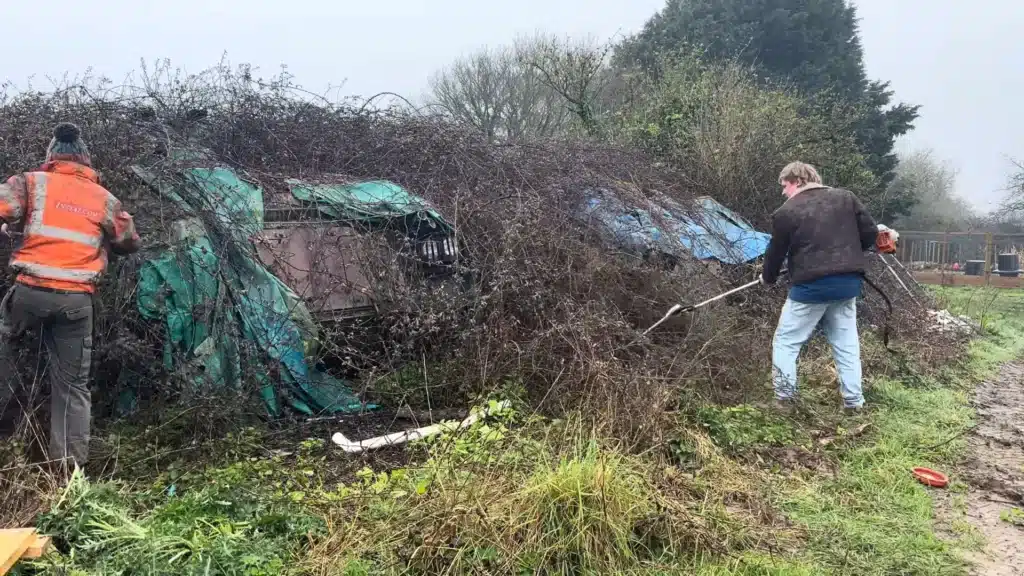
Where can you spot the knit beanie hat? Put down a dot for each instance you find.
(67, 145)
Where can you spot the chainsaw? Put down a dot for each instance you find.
(886, 240)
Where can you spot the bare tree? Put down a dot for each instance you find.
(496, 92)
(573, 70)
(1014, 200)
(930, 186)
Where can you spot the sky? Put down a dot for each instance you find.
(962, 61)
(958, 59)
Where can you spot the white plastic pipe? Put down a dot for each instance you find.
(409, 435)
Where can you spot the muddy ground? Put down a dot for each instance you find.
(995, 473)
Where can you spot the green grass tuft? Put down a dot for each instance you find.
(587, 510)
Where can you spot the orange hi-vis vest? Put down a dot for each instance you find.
(69, 219)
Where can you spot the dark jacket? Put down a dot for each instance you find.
(824, 231)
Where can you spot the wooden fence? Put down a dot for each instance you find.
(943, 257)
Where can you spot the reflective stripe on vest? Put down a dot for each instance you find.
(44, 271)
(36, 200)
(108, 217)
(64, 234)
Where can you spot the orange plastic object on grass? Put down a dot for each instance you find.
(930, 477)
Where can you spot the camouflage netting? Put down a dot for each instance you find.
(553, 310)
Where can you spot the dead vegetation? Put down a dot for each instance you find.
(552, 316)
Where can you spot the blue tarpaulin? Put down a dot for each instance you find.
(706, 230)
(723, 235)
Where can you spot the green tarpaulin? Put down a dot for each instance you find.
(222, 309)
(372, 203)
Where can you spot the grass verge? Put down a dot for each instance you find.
(872, 517)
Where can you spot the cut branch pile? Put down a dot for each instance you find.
(554, 309)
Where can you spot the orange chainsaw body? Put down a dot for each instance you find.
(885, 242)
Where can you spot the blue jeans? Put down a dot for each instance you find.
(796, 324)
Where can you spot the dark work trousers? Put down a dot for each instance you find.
(64, 321)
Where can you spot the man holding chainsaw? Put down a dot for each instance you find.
(67, 223)
(824, 232)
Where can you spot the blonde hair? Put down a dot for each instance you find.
(802, 174)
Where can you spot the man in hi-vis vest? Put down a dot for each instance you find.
(67, 223)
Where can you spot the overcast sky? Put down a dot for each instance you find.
(961, 60)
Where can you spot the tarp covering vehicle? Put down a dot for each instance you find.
(222, 305)
(707, 230)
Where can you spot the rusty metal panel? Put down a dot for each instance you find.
(319, 261)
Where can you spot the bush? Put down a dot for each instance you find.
(555, 311)
(731, 135)
(552, 306)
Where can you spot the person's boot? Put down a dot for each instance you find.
(853, 410)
